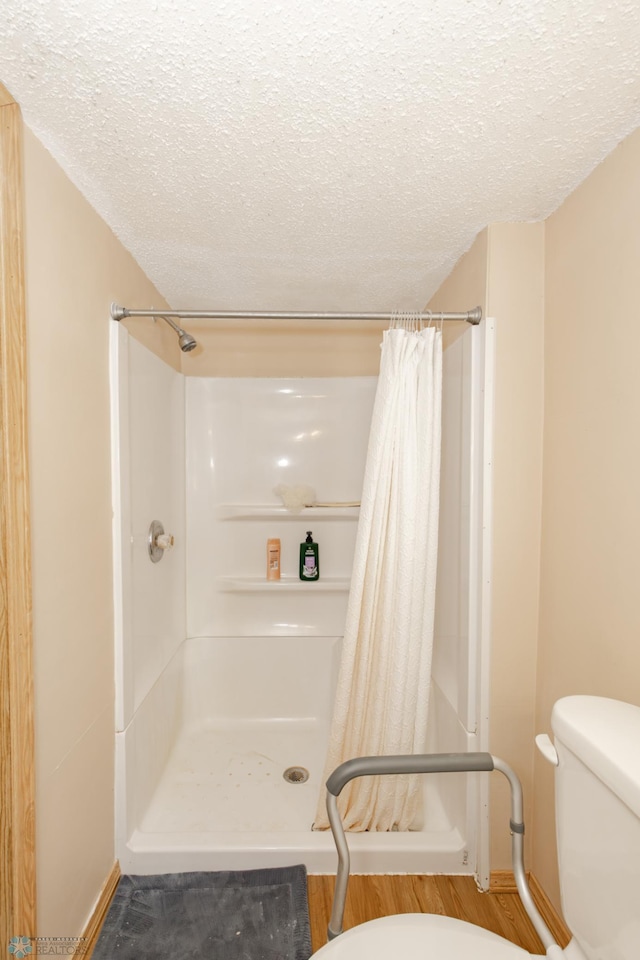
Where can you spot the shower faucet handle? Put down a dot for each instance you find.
(158, 541)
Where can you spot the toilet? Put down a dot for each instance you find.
(596, 753)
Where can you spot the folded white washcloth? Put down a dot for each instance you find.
(297, 498)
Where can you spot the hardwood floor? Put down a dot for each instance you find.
(378, 896)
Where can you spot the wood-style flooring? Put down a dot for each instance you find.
(369, 897)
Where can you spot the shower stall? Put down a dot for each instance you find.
(224, 679)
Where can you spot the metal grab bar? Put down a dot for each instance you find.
(429, 763)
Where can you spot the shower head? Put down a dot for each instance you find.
(186, 341)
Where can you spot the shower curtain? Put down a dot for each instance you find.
(382, 695)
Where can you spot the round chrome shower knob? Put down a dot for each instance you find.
(159, 541)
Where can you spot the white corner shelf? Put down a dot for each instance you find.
(284, 585)
(258, 511)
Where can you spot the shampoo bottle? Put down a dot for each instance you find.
(273, 559)
(309, 560)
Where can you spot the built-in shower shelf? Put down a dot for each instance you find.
(284, 585)
(257, 511)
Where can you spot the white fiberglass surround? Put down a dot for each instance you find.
(148, 480)
(225, 679)
(245, 436)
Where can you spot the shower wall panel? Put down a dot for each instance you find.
(451, 642)
(244, 437)
(148, 456)
(462, 600)
(462, 621)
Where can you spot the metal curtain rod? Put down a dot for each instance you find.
(121, 313)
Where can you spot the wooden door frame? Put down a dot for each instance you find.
(17, 780)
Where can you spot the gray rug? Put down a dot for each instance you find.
(231, 915)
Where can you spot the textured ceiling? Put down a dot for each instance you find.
(320, 154)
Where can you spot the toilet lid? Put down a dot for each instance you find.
(418, 936)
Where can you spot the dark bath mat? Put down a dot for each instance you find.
(230, 915)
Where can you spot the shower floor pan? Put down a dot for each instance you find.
(198, 791)
(222, 803)
(228, 776)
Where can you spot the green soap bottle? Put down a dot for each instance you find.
(309, 560)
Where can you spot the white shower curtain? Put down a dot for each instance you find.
(382, 696)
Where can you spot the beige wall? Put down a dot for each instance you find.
(466, 285)
(566, 471)
(589, 609)
(504, 273)
(274, 349)
(75, 267)
(515, 297)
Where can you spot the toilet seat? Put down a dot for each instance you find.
(415, 936)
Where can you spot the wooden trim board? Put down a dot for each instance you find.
(94, 924)
(503, 881)
(549, 913)
(17, 781)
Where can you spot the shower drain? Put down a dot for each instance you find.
(296, 775)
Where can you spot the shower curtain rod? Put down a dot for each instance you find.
(121, 313)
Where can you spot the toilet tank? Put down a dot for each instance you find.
(598, 823)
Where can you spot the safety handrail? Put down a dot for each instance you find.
(429, 763)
